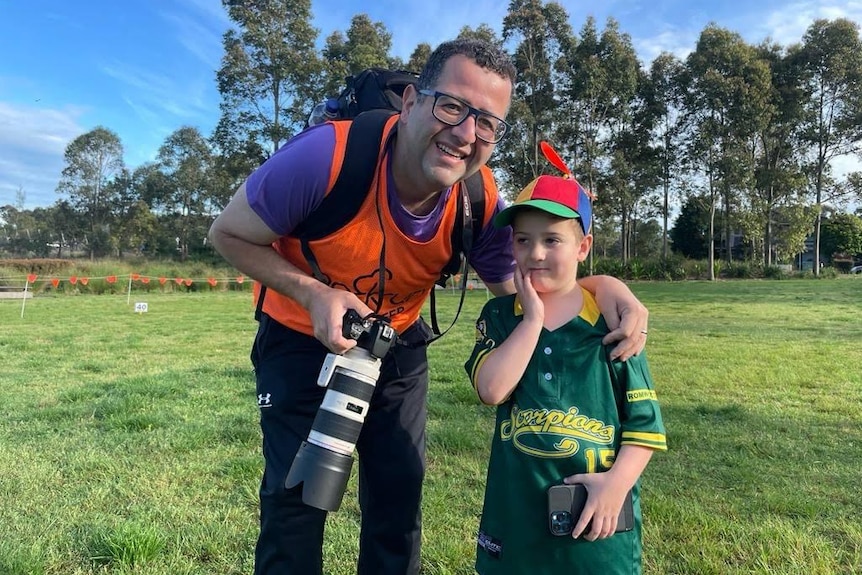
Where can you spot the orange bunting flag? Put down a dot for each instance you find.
(188, 283)
(145, 280)
(240, 279)
(162, 280)
(31, 278)
(212, 281)
(84, 281)
(55, 282)
(136, 277)
(73, 280)
(111, 279)
(179, 281)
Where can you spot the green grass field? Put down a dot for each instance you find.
(129, 442)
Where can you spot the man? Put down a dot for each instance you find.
(446, 132)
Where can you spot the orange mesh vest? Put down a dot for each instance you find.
(350, 257)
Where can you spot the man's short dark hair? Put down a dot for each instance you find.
(485, 54)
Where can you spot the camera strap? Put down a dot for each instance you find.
(464, 217)
(435, 328)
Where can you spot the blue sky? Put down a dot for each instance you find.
(144, 68)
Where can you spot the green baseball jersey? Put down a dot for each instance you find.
(570, 412)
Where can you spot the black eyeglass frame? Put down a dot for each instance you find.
(471, 111)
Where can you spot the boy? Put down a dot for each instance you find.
(566, 414)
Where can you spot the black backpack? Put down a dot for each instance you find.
(369, 99)
(373, 89)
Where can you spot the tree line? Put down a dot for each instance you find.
(739, 138)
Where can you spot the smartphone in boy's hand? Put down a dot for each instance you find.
(566, 503)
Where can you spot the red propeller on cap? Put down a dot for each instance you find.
(555, 159)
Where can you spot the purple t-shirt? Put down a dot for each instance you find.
(292, 183)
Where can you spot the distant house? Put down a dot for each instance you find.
(805, 260)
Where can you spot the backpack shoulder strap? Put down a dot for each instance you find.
(351, 186)
(354, 179)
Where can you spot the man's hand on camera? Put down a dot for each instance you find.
(327, 308)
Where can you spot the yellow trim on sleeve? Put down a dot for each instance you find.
(657, 441)
(477, 365)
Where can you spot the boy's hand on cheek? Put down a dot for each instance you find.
(534, 309)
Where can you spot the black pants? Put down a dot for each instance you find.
(391, 448)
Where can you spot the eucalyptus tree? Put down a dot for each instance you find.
(14, 219)
(18, 229)
(418, 57)
(632, 175)
(664, 101)
(268, 72)
(52, 231)
(831, 57)
(186, 159)
(541, 34)
(92, 161)
(583, 99)
(482, 32)
(727, 100)
(627, 129)
(599, 83)
(231, 167)
(135, 225)
(777, 155)
(367, 44)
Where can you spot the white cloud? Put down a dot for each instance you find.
(202, 39)
(674, 33)
(677, 42)
(33, 141)
(158, 97)
(213, 10)
(788, 24)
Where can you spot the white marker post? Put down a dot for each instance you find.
(24, 301)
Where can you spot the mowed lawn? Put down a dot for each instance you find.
(129, 442)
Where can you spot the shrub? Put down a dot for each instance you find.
(774, 273)
(829, 272)
(636, 270)
(609, 266)
(38, 266)
(739, 270)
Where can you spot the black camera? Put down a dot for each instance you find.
(373, 333)
(566, 503)
(322, 464)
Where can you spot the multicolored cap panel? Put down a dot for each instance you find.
(561, 196)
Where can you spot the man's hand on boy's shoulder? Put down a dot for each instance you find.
(628, 327)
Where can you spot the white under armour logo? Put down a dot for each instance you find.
(263, 400)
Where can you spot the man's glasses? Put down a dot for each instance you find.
(452, 111)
